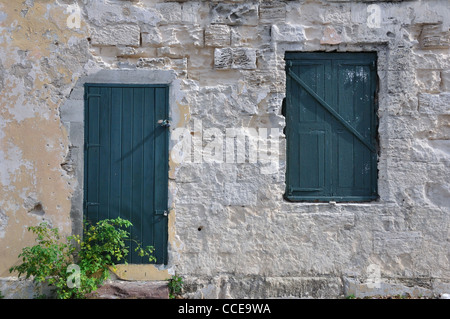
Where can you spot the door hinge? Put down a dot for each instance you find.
(87, 204)
(290, 191)
(288, 65)
(88, 95)
(88, 145)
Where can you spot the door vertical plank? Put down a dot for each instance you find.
(161, 174)
(92, 140)
(149, 176)
(116, 146)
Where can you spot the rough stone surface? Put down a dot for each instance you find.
(287, 33)
(235, 13)
(235, 58)
(217, 36)
(119, 289)
(435, 37)
(117, 35)
(231, 234)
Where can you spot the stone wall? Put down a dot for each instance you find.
(231, 232)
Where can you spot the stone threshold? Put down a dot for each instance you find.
(122, 289)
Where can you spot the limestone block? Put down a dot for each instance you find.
(179, 65)
(198, 193)
(400, 60)
(287, 33)
(120, 289)
(429, 80)
(372, 287)
(187, 35)
(125, 51)
(250, 36)
(433, 36)
(269, 60)
(191, 12)
(235, 58)
(335, 17)
(151, 36)
(120, 34)
(434, 103)
(397, 243)
(242, 194)
(275, 102)
(152, 63)
(170, 52)
(430, 151)
(102, 13)
(272, 12)
(235, 13)
(443, 128)
(400, 82)
(330, 36)
(170, 12)
(429, 15)
(243, 58)
(173, 35)
(217, 36)
(429, 60)
(445, 81)
(268, 78)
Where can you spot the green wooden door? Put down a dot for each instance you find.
(331, 126)
(126, 161)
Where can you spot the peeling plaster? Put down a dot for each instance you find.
(37, 61)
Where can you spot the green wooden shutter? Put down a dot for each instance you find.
(331, 126)
(126, 161)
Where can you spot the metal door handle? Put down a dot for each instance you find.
(164, 123)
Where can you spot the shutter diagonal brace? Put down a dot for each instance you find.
(332, 111)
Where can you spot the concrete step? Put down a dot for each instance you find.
(121, 289)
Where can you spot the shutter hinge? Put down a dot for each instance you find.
(373, 65)
(93, 95)
(88, 95)
(288, 65)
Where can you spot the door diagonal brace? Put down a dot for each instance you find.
(331, 111)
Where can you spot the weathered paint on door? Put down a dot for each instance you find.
(331, 126)
(126, 161)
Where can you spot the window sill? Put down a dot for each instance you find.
(356, 200)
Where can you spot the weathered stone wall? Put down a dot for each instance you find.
(231, 233)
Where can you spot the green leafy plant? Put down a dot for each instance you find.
(46, 260)
(104, 246)
(76, 267)
(175, 286)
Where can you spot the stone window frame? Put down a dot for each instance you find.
(367, 197)
(382, 98)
